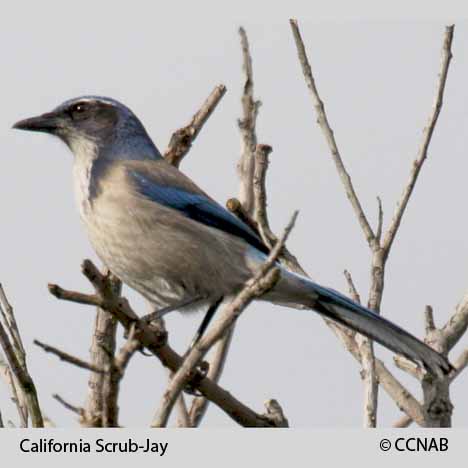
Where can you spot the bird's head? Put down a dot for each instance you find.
(86, 120)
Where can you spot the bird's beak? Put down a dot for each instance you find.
(47, 123)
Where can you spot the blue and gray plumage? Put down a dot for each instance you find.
(166, 238)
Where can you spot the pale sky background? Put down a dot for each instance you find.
(377, 79)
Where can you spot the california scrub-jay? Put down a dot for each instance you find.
(167, 239)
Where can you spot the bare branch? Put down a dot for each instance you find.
(258, 220)
(369, 377)
(365, 345)
(404, 421)
(101, 353)
(15, 356)
(378, 233)
(24, 380)
(322, 121)
(395, 390)
(352, 288)
(244, 210)
(436, 391)
(286, 257)
(460, 364)
(429, 319)
(114, 374)
(8, 316)
(155, 340)
(399, 394)
(261, 155)
(7, 313)
(72, 296)
(12, 384)
(455, 328)
(275, 414)
(368, 372)
(379, 253)
(247, 124)
(220, 351)
(263, 280)
(68, 357)
(427, 135)
(182, 139)
(183, 417)
(74, 409)
(409, 367)
(235, 206)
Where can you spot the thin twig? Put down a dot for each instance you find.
(75, 409)
(73, 296)
(322, 121)
(10, 320)
(460, 364)
(235, 206)
(12, 384)
(216, 367)
(275, 413)
(427, 136)
(409, 367)
(457, 325)
(68, 357)
(8, 316)
(378, 232)
(352, 288)
(16, 360)
(182, 139)
(264, 279)
(365, 345)
(379, 253)
(429, 319)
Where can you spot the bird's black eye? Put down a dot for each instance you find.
(78, 110)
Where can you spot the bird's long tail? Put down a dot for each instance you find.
(298, 291)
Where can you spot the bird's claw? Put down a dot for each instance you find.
(197, 375)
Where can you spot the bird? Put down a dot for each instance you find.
(164, 237)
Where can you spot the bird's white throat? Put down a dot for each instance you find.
(85, 152)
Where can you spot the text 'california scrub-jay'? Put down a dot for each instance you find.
(164, 237)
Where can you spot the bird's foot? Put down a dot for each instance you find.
(196, 376)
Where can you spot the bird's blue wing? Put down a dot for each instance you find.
(196, 206)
